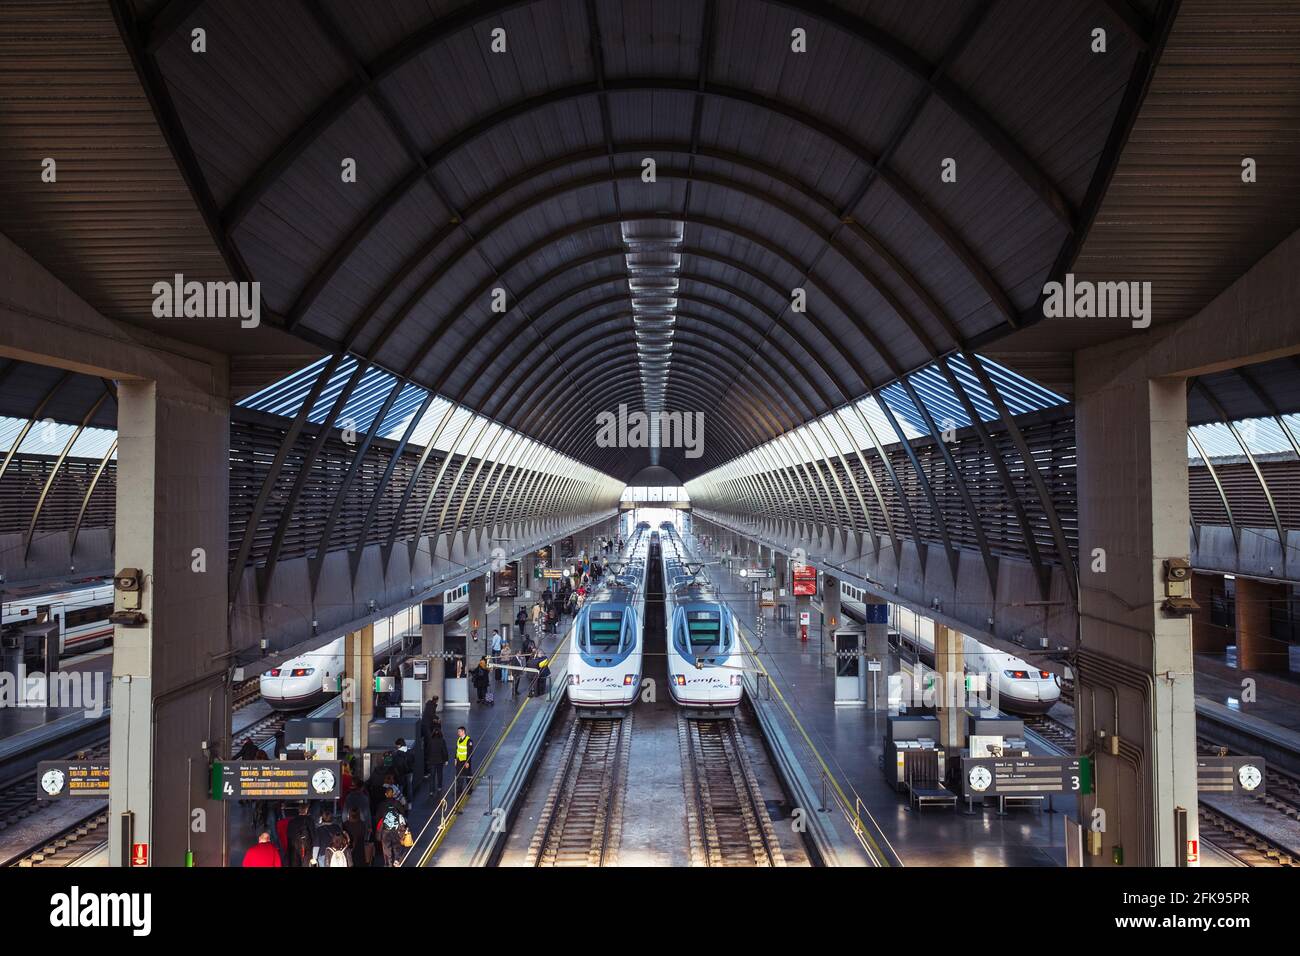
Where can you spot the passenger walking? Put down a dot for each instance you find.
(437, 756)
(495, 645)
(428, 717)
(358, 801)
(301, 838)
(327, 831)
(404, 770)
(336, 854)
(392, 829)
(479, 678)
(262, 853)
(498, 642)
(521, 621)
(464, 760)
(359, 842)
(537, 615)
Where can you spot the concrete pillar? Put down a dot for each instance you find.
(476, 624)
(527, 588)
(359, 669)
(831, 601)
(782, 565)
(1258, 604)
(1207, 637)
(1134, 698)
(877, 649)
(950, 687)
(432, 629)
(170, 709)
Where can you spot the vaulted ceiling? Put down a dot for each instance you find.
(525, 171)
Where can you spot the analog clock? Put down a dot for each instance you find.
(1249, 777)
(322, 781)
(52, 782)
(979, 778)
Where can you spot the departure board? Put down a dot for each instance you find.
(56, 779)
(276, 780)
(1024, 776)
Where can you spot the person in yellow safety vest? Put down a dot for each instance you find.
(464, 753)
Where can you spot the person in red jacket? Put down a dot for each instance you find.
(263, 852)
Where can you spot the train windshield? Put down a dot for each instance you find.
(604, 630)
(703, 631)
(703, 628)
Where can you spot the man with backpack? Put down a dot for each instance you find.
(327, 831)
(391, 828)
(404, 770)
(301, 838)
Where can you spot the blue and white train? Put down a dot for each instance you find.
(704, 650)
(605, 647)
(1021, 687)
(312, 678)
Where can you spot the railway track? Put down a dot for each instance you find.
(582, 819)
(1233, 836)
(69, 843)
(726, 817)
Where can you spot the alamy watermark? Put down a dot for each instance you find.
(638, 429)
(179, 299)
(82, 690)
(1083, 299)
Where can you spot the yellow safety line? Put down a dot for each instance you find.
(829, 775)
(455, 810)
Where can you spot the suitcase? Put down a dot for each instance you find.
(491, 698)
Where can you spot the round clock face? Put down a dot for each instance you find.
(52, 781)
(979, 778)
(1249, 777)
(322, 781)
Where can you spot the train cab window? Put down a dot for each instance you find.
(605, 630)
(701, 630)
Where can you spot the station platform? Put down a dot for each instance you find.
(492, 728)
(839, 749)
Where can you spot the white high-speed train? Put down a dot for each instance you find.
(1021, 687)
(81, 610)
(703, 637)
(312, 678)
(604, 654)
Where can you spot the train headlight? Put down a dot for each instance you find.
(303, 671)
(680, 679)
(628, 679)
(1045, 675)
(274, 672)
(1016, 675)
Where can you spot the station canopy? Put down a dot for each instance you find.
(759, 211)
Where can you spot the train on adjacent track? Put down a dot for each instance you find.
(1021, 688)
(605, 649)
(312, 678)
(80, 608)
(704, 652)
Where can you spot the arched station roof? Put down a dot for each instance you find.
(523, 171)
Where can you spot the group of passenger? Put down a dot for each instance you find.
(372, 826)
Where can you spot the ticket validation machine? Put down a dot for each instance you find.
(851, 676)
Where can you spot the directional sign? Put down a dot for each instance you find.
(1235, 775)
(56, 779)
(1024, 776)
(276, 780)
